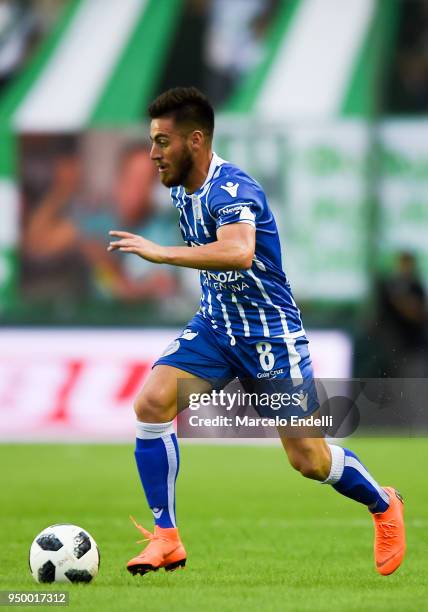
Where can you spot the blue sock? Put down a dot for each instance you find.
(350, 478)
(157, 457)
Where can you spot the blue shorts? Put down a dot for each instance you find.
(210, 355)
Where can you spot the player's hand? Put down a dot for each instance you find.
(131, 243)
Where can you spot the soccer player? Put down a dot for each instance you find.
(247, 325)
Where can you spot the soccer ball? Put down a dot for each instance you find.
(64, 553)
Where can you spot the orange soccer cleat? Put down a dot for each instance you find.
(390, 535)
(165, 549)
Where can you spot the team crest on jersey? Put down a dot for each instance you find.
(232, 189)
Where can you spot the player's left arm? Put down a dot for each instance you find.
(233, 250)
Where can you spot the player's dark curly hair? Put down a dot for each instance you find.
(188, 106)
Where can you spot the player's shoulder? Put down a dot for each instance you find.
(231, 182)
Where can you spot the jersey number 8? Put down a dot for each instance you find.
(266, 357)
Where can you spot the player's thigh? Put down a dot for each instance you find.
(159, 400)
(192, 363)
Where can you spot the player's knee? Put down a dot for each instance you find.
(310, 465)
(153, 407)
(312, 470)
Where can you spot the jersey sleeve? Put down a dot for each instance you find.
(234, 202)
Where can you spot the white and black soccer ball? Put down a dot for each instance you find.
(64, 553)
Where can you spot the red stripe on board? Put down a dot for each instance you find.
(59, 413)
(132, 383)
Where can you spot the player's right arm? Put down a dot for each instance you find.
(233, 250)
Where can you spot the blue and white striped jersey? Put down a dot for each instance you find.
(255, 303)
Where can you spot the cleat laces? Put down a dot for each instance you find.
(149, 535)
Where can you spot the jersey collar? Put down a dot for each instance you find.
(216, 162)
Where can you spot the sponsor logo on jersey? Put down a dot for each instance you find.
(270, 374)
(228, 210)
(228, 276)
(157, 512)
(229, 280)
(232, 189)
(235, 208)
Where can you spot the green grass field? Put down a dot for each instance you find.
(258, 535)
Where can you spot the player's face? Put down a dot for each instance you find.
(171, 152)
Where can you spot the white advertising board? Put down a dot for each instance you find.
(80, 384)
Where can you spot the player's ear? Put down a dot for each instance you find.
(197, 139)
